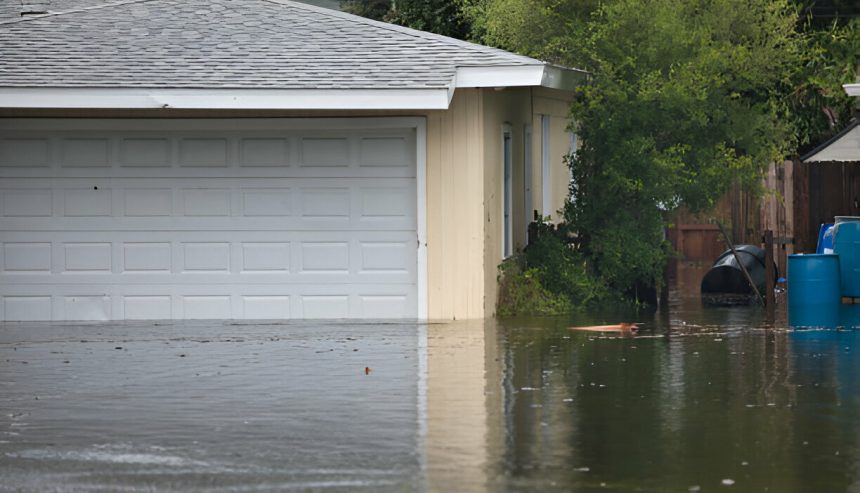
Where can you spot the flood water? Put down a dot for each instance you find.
(704, 400)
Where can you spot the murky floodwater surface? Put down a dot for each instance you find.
(703, 400)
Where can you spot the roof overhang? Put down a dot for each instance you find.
(225, 99)
(844, 147)
(852, 89)
(536, 75)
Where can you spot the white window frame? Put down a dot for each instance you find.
(545, 149)
(507, 191)
(528, 182)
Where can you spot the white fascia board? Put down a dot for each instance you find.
(535, 75)
(245, 99)
(852, 89)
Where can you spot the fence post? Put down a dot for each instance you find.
(770, 300)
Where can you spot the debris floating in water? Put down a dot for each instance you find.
(728, 482)
(623, 328)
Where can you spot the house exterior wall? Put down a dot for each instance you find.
(556, 105)
(519, 108)
(464, 179)
(455, 251)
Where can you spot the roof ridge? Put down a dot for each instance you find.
(107, 3)
(479, 48)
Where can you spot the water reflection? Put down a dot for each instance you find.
(705, 399)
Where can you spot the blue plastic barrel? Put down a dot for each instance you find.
(825, 239)
(813, 316)
(846, 243)
(813, 280)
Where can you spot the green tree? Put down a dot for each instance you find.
(544, 29)
(684, 101)
(372, 9)
(685, 98)
(443, 17)
(817, 105)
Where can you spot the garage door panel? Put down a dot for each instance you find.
(390, 151)
(147, 202)
(26, 258)
(27, 308)
(29, 202)
(310, 204)
(244, 253)
(145, 151)
(147, 307)
(152, 224)
(299, 153)
(202, 302)
(85, 153)
(264, 152)
(25, 151)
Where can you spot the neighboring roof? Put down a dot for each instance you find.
(843, 147)
(106, 54)
(11, 9)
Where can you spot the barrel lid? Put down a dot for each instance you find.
(844, 219)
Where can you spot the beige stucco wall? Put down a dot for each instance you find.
(518, 108)
(463, 181)
(455, 250)
(555, 104)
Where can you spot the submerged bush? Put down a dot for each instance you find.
(549, 278)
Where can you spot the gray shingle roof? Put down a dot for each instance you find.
(229, 44)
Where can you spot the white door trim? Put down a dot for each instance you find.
(420, 125)
(507, 190)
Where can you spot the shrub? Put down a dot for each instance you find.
(549, 278)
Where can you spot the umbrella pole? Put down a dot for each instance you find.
(738, 260)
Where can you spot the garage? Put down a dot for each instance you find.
(106, 219)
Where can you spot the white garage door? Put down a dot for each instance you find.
(161, 219)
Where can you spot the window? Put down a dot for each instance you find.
(507, 193)
(528, 207)
(546, 186)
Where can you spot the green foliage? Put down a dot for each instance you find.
(682, 104)
(539, 28)
(438, 16)
(443, 17)
(686, 98)
(521, 292)
(372, 9)
(548, 278)
(816, 104)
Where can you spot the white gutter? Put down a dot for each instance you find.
(852, 89)
(519, 76)
(498, 76)
(246, 99)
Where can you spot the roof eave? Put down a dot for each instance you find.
(534, 75)
(494, 76)
(814, 156)
(852, 89)
(225, 98)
